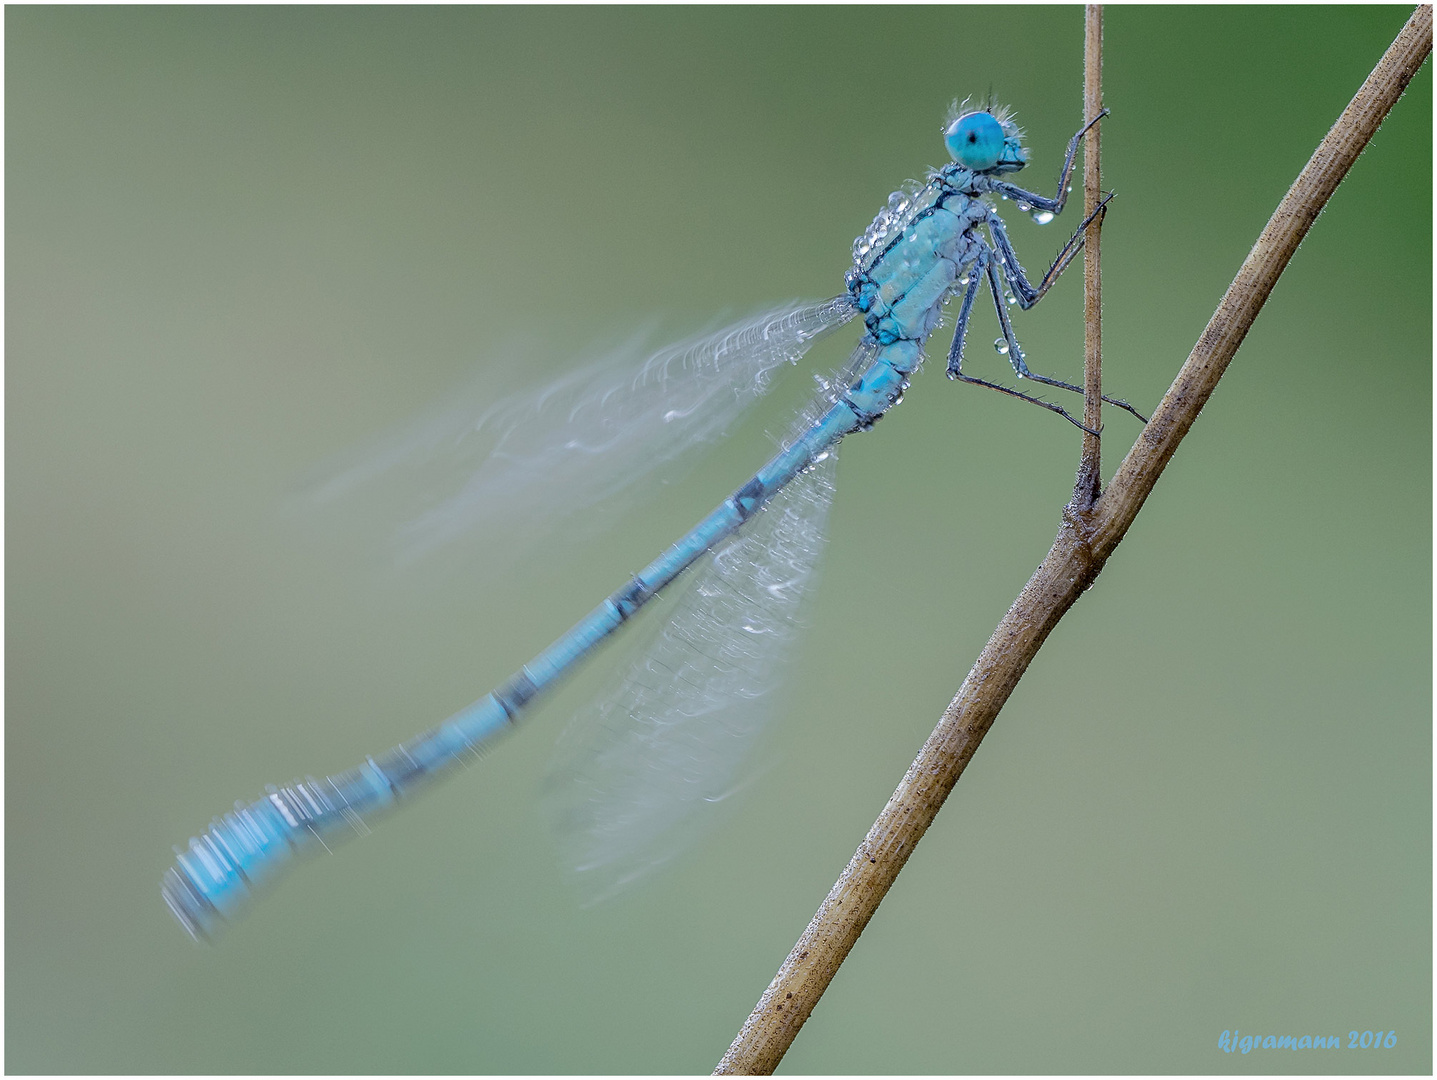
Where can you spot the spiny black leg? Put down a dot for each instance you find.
(1074, 245)
(1027, 294)
(958, 374)
(982, 266)
(1015, 352)
(1057, 202)
(960, 332)
(1020, 365)
(1118, 402)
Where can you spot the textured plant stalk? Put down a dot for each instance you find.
(1090, 468)
(1086, 538)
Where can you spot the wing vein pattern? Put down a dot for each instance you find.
(637, 768)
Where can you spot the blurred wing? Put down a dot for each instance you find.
(538, 455)
(636, 770)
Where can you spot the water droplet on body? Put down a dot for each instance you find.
(1042, 217)
(1001, 344)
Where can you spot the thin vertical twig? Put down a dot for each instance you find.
(1090, 470)
(1085, 540)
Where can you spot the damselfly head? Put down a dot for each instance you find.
(984, 139)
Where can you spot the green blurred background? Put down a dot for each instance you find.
(241, 241)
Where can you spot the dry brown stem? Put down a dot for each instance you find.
(1090, 467)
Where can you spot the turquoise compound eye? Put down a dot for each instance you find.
(975, 141)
